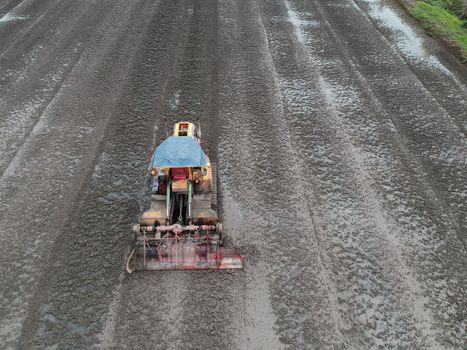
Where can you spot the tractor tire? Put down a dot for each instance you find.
(214, 202)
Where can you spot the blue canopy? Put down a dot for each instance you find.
(179, 151)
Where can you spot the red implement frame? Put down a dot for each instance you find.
(173, 250)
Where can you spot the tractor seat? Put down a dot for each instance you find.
(180, 174)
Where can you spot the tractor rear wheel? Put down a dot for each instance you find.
(214, 203)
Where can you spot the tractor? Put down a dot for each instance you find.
(181, 228)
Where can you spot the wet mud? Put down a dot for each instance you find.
(339, 133)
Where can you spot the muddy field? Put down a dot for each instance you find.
(340, 133)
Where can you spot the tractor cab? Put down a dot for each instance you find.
(187, 129)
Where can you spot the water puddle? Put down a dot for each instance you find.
(407, 40)
(11, 17)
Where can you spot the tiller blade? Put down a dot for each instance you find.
(181, 247)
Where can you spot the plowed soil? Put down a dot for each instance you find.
(339, 130)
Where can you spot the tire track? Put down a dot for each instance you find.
(187, 316)
(264, 156)
(445, 84)
(9, 6)
(198, 93)
(110, 199)
(459, 116)
(436, 145)
(24, 20)
(156, 301)
(45, 79)
(63, 165)
(363, 133)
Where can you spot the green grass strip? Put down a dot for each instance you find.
(440, 22)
